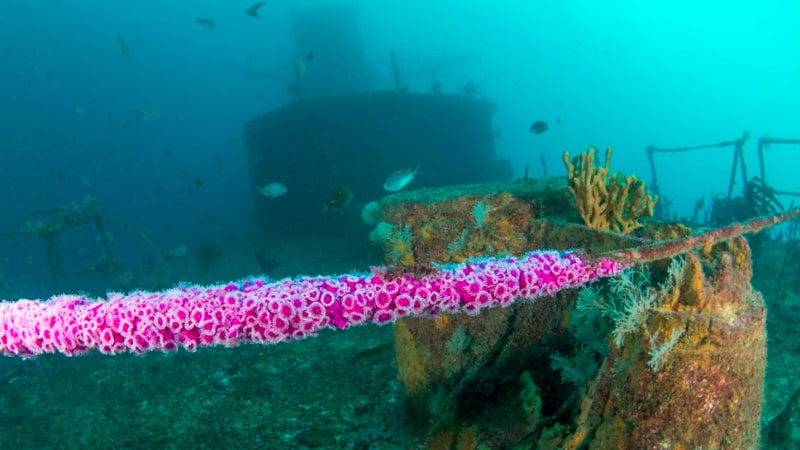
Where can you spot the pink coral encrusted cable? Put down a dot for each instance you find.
(261, 311)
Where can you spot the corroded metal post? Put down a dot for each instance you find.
(689, 374)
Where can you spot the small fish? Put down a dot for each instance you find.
(272, 190)
(178, 251)
(339, 200)
(123, 46)
(253, 10)
(299, 69)
(198, 181)
(207, 23)
(539, 127)
(149, 113)
(399, 179)
(309, 56)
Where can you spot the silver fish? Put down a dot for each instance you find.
(149, 113)
(272, 190)
(399, 179)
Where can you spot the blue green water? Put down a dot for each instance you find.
(140, 107)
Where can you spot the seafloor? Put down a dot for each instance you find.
(338, 390)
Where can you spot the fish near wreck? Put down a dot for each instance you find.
(272, 190)
(399, 179)
(339, 200)
(539, 127)
(123, 46)
(253, 10)
(207, 23)
(150, 113)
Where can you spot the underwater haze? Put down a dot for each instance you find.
(139, 111)
(616, 73)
